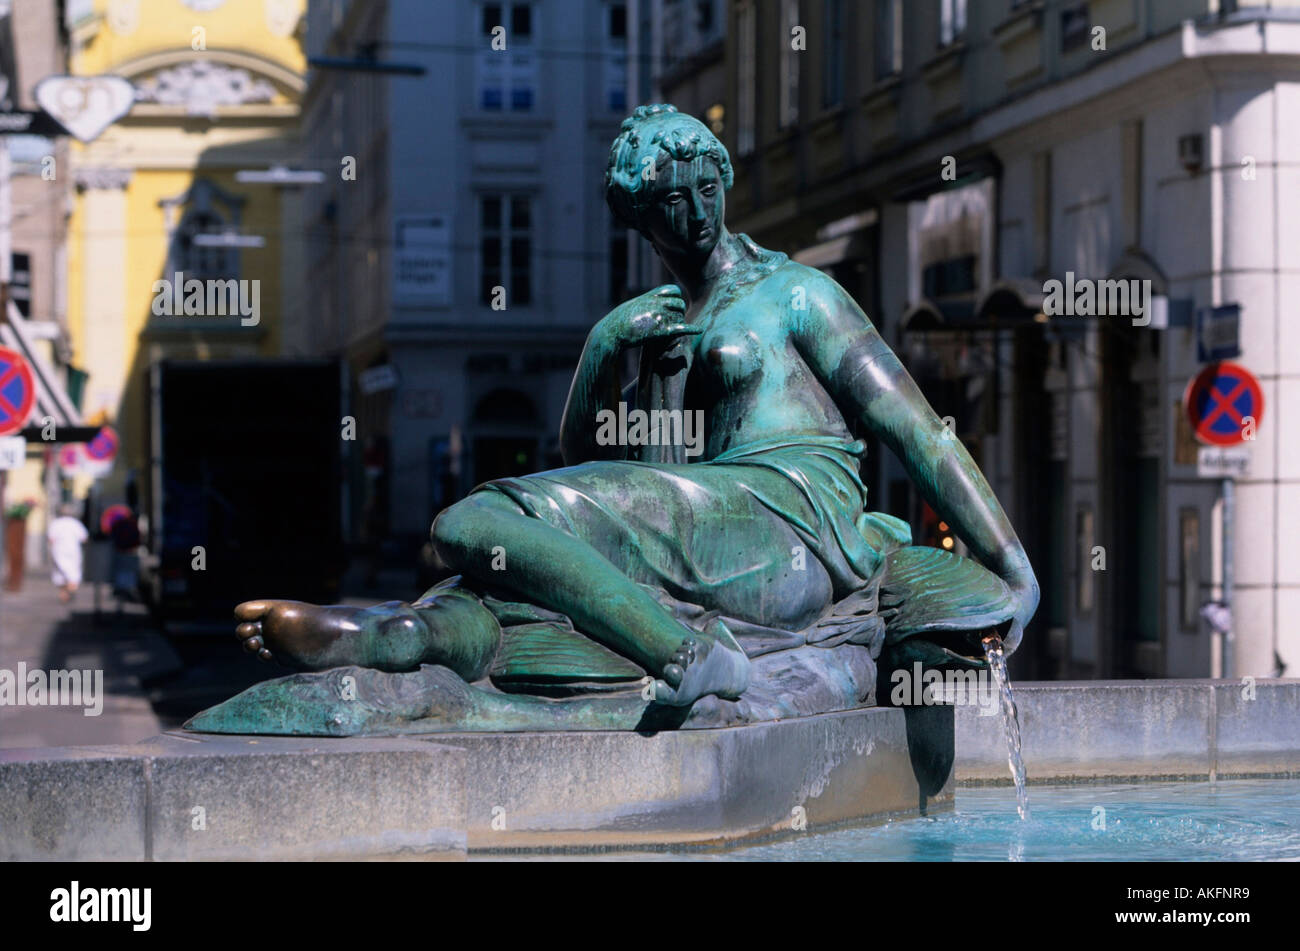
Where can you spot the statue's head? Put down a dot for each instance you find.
(666, 177)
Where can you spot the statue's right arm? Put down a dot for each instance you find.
(595, 387)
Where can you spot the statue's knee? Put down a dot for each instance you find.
(449, 528)
(456, 526)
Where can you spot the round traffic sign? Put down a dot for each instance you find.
(1218, 400)
(104, 446)
(17, 391)
(111, 515)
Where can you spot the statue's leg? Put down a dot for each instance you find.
(450, 628)
(488, 536)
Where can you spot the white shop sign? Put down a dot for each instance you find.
(13, 451)
(422, 259)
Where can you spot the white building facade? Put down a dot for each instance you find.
(945, 161)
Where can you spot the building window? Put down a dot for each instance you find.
(1075, 27)
(507, 79)
(746, 78)
(704, 17)
(889, 38)
(952, 21)
(833, 60)
(789, 65)
(616, 57)
(505, 249)
(198, 261)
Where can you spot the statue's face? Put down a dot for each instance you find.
(686, 211)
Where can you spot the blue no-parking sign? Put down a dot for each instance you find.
(17, 391)
(1218, 400)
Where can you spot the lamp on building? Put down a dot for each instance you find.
(229, 239)
(279, 175)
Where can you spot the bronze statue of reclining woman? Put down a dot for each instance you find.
(635, 565)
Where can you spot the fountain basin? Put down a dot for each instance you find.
(458, 795)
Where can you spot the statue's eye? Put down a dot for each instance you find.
(709, 189)
(672, 198)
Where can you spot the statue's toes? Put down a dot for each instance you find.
(673, 674)
(664, 693)
(252, 610)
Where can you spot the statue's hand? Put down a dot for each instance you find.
(659, 314)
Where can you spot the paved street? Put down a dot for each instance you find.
(35, 629)
(152, 682)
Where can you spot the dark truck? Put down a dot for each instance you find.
(245, 494)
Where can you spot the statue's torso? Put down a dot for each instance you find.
(745, 371)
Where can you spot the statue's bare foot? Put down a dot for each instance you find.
(708, 662)
(299, 635)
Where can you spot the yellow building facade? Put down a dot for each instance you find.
(217, 90)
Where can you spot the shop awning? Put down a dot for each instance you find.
(52, 398)
(1009, 303)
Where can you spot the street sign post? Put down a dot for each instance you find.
(1224, 404)
(17, 391)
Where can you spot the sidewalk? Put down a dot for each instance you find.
(36, 630)
(151, 683)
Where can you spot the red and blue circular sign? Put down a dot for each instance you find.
(1219, 399)
(104, 446)
(112, 514)
(17, 391)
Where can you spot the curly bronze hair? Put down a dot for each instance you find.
(660, 133)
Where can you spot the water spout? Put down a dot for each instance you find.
(1010, 719)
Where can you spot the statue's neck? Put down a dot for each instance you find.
(697, 276)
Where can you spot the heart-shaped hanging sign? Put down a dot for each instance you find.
(85, 105)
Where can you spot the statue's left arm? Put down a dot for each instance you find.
(868, 381)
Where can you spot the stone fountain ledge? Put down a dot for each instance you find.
(453, 795)
(438, 797)
(1107, 731)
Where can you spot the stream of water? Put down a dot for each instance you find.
(1010, 720)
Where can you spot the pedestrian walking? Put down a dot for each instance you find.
(66, 535)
